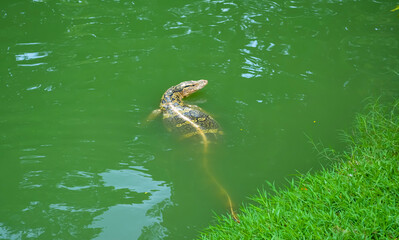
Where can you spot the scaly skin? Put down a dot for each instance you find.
(191, 120)
(186, 120)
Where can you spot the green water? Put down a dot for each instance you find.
(78, 78)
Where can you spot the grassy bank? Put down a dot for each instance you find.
(357, 198)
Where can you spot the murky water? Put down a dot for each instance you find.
(78, 78)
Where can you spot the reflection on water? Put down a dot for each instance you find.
(138, 219)
(78, 78)
(46, 204)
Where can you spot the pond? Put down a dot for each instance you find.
(78, 79)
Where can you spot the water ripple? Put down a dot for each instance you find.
(177, 29)
(137, 220)
(31, 56)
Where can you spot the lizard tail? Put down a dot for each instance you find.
(216, 182)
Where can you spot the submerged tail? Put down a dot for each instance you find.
(217, 183)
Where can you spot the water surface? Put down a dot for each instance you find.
(78, 78)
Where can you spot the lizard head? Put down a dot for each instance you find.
(188, 87)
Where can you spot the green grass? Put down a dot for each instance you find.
(356, 198)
